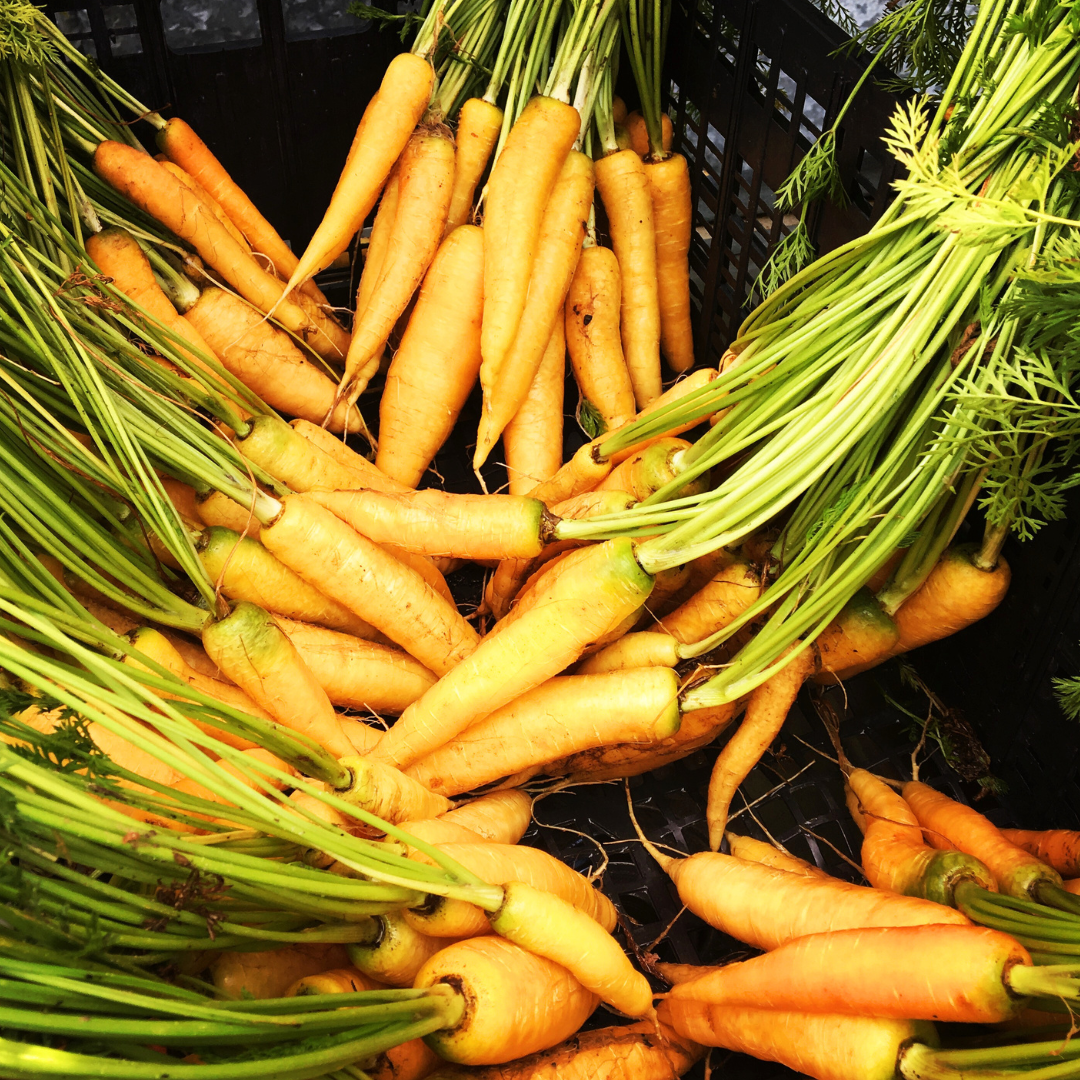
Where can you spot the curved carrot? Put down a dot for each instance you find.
(669, 187)
(438, 361)
(1059, 848)
(384, 130)
(746, 847)
(593, 305)
(533, 438)
(521, 184)
(478, 127)
(207, 199)
(624, 188)
(639, 134)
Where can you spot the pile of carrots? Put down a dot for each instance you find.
(303, 603)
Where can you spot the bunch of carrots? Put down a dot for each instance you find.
(231, 607)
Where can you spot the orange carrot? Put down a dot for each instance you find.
(436, 366)
(387, 793)
(533, 439)
(746, 847)
(384, 130)
(503, 816)
(766, 711)
(217, 509)
(335, 466)
(860, 635)
(269, 974)
(378, 241)
(347, 980)
(717, 604)
(641, 650)
(395, 952)
(206, 199)
(669, 187)
(639, 135)
(650, 469)
(478, 127)
(1059, 848)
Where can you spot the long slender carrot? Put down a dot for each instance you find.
(563, 716)
(1059, 848)
(425, 178)
(593, 305)
(766, 711)
(533, 438)
(182, 145)
(378, 241)
(715, 605)
(949, 824)
(578, 608)
(506, 376)
(438, 361)
(384, 130)
(669, 188)
(894, 854)
(345, 469)
(478, 127)
(624, 188)
(509, 992)
(142, 180)
(207, 199)
(521, 184)
(266, 360)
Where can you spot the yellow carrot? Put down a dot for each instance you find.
(479, 123)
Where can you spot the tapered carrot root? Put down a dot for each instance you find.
(518, 192)
(560, 717)
(765, 907)
(503, 816)
(384, 130)
(822, 1045)
(669, 187)
(371, 583)
(1059, 848)
(248, 571)
(766, 711)
(746, 847)
(266, 360)
(396, 952)
(580, 474)
(378, 241)
(253, 651)
(860, 635)
(624, 188)
(479, 123)
(425, 178)
(437, 364)
(591, 320)
(344, 469)
(579, 607)
(509, 994)
(716, 605)
(184, 147)
(506, 377)
(650, 469)
(549, 926)
(639, 132)
(949, 824)
(894, 854)
(142, 180)
(206, 199)
(533, 438)
(434, 522)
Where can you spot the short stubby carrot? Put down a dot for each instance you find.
(669, 187)
(521, 183)
(438, 361)
(385, 128)
(478, 127)
(639, 133)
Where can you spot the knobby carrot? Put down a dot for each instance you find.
(533, 438)
(384, 130)
(478, 127)
(518, 192)
(766, 710)
(266, 360)
(1059, 848)
(425, 176)
(593, 340)
(624, 188)
(438, 361)
(639, 135)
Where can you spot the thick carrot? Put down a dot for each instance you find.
(624, 188)
(650, 469)
(715, 605)
(183, 146)
(425, 178)
(432, 522)
(516, 1003)
(859, 635)
(949, 824)
(370, 583)
(142, 180)
(1059, 848)
(248, 571)
(821, 1045)
(518, 192)
(344, 469)
(765, 907)
(347, 980)
(387, 793)
(641, 650)
(591, 321)
(746, 847)
(669, 187)
(507, 375)
(960, 974)
(894, 854)
(579, 607)
(438, 361)
(206, 199)
(639, 135)
(384, 131)
(561, 717)
(267, 361)
(478, 127)
(533, 438)
(503, 816)
(270, 974)
(766, 710)
(395, 952)
(253, 651)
